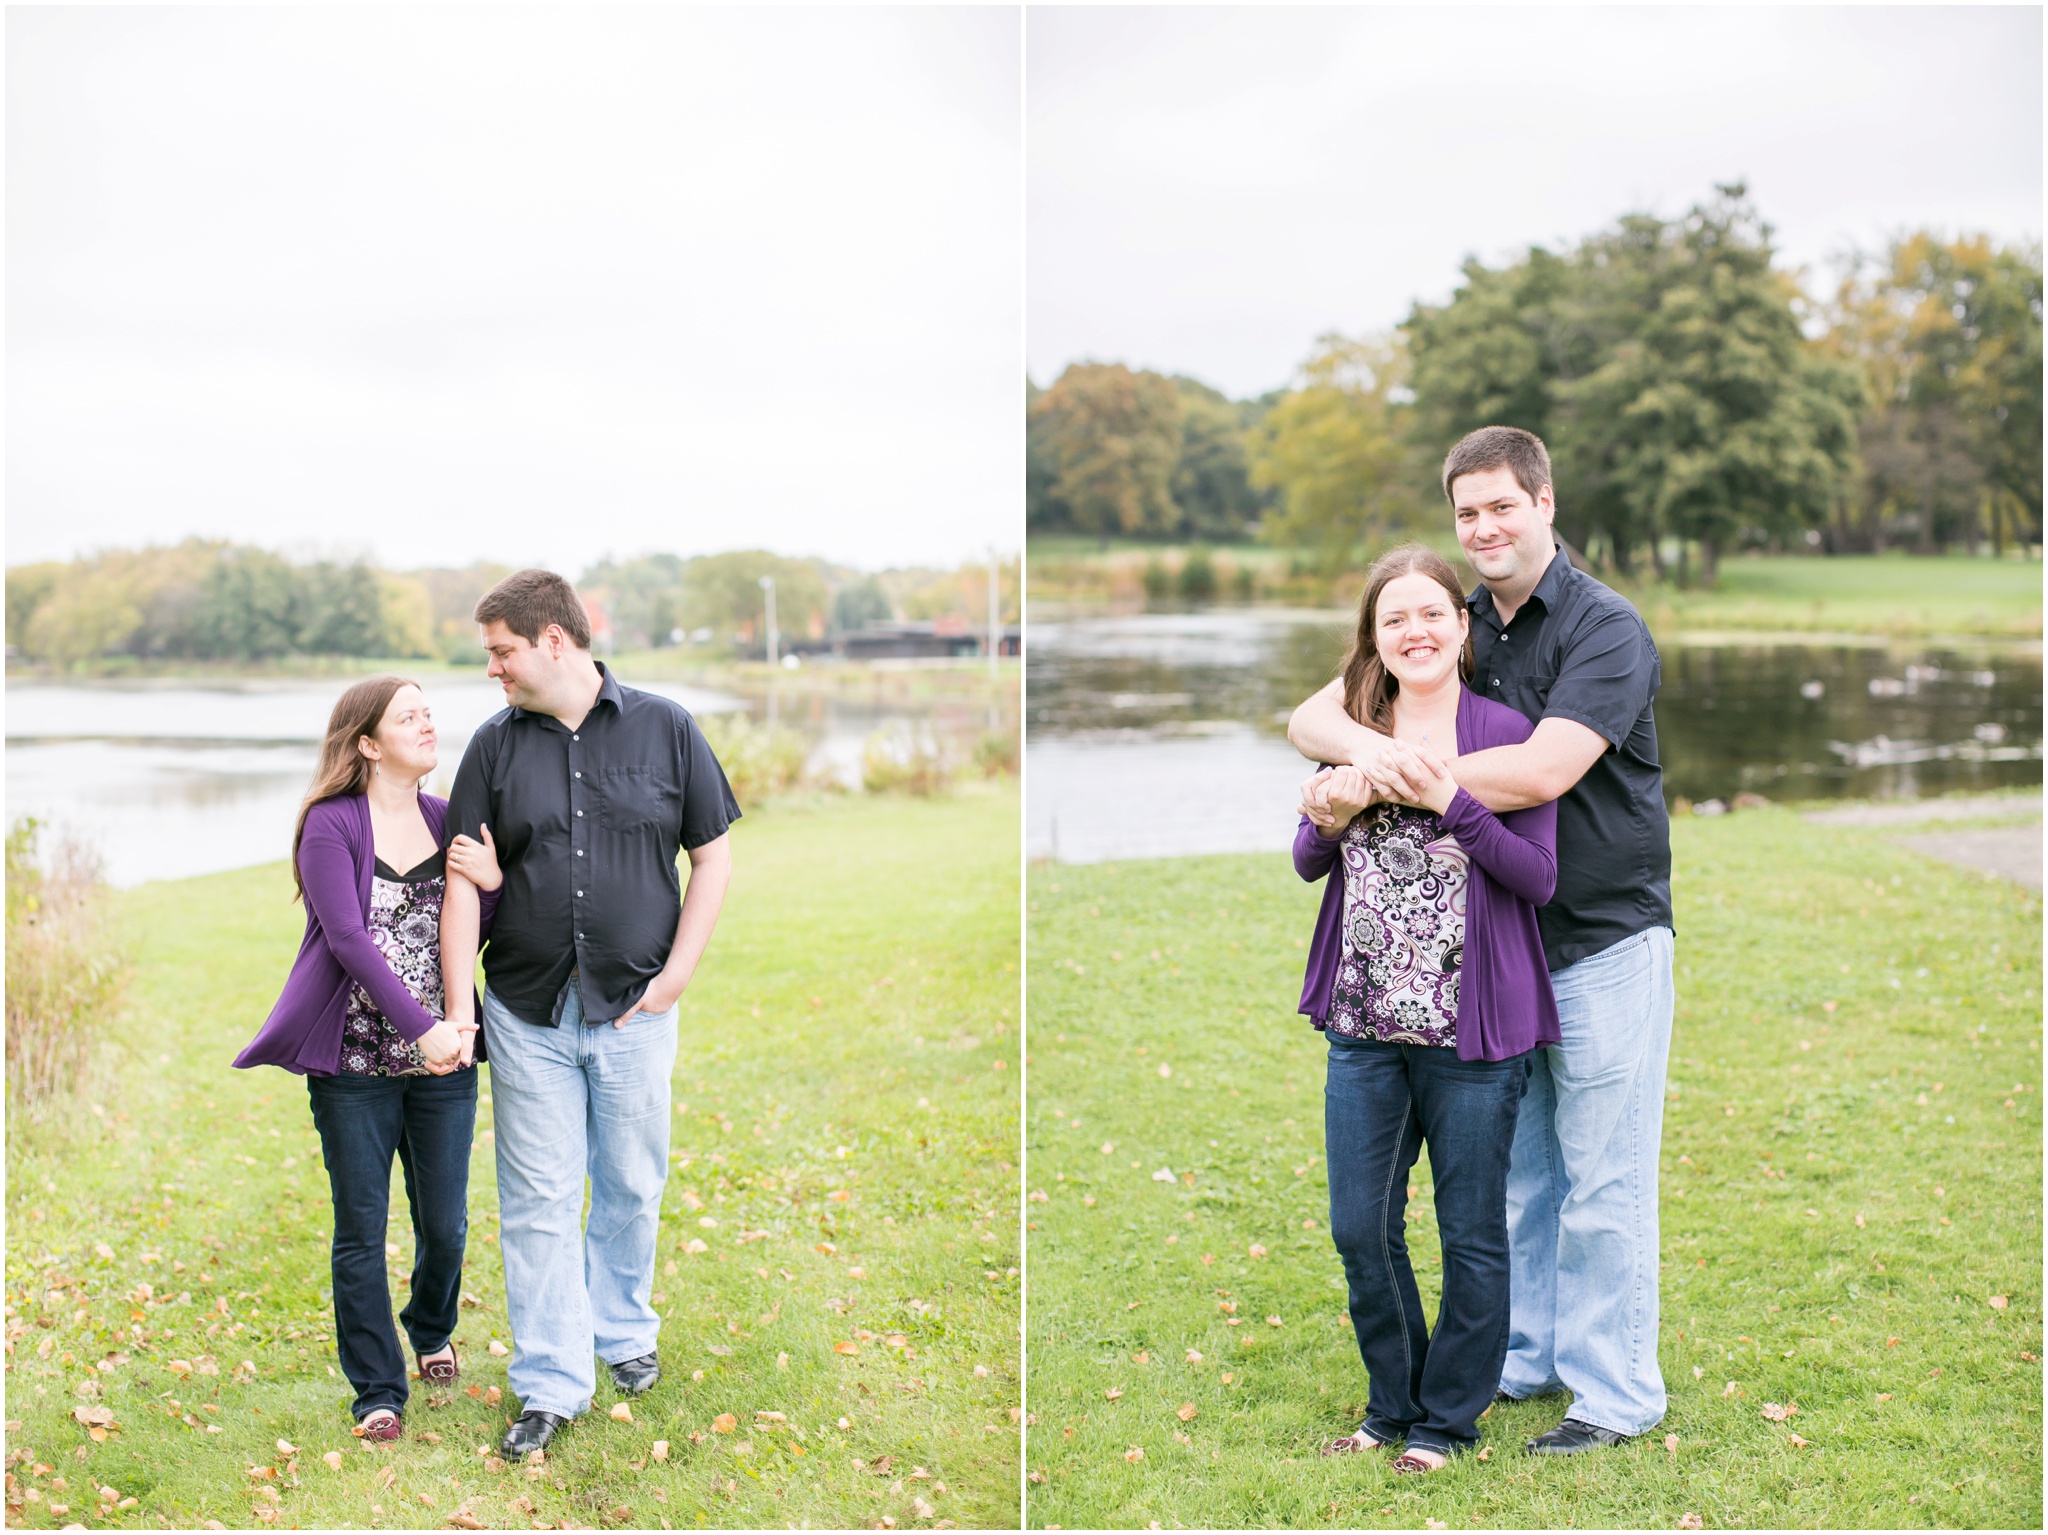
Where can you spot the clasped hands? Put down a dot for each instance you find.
(1398, 772)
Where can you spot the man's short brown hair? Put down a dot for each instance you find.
(1500, 447)
(527, 601)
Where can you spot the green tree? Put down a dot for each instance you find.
(1336, 450)
(1948, 336)
(1212, 488)
(644, 596)
(723, 592)
(1110, 440)
(28, 588)
(858, 604)
(247, 608)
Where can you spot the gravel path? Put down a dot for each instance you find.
(2006, 852)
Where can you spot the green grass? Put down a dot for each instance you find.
(1844, 1191)
(1895, 595)
(848, 1080)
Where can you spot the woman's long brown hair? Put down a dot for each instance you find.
(1369, 688)
(343, 769)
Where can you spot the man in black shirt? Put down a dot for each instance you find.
(1578, 661)
(589, 791)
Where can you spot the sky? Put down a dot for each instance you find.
(542, 285)
(1208, 190)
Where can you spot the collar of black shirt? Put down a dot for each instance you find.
(607, 692)
(1555, 575)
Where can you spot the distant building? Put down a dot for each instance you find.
(946, 637)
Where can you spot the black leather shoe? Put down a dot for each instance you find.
(532, 1432)
(636, 1377)
(1571, 1437)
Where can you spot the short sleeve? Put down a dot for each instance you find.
(1607, 676)
(708, 804)
(469, 802)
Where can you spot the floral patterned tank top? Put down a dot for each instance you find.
(1404, 929)
(405, 925)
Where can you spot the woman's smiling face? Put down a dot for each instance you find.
(1420, 631)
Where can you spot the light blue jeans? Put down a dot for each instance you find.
(569, 1101)
(1582, 1192)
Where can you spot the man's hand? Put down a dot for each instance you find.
(1441, 788)
(468, 1031)
(441, 1046)
(659, 997)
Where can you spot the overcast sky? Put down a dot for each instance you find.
(440, 283)
(1210, 189)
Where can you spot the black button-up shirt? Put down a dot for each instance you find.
(588, 824)
(1577, 650)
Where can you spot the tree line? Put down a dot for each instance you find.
(1695, 400)
(209, 600)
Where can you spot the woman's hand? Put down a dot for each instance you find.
(1333, 796)
(441, 1047)
(477, 862)
(468, 1031)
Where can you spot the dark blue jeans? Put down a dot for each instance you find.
(1381, 1104)
(427, 1122)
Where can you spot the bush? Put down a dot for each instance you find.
(996, 753)
(760, 760)
(902, 760)
(64, 974)
(1158, 580)
(1197, 576)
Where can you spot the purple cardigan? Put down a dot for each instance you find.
(337, 859)
(1504, 1001)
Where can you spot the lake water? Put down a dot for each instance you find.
(171, 780)
(1163, 733)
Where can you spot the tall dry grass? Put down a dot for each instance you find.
(65, 968)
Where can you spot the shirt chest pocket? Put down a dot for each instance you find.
(630, 799)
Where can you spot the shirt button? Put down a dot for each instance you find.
(579, 812)
(579, 852)
(575, 738)
(579, 935)
(578, 775)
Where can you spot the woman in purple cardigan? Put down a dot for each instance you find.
(1427, 974)
(361, 1018)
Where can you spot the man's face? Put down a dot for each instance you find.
(1504, 533)
(519, 666)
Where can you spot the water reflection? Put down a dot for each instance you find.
(1162, 732)
(175, 779)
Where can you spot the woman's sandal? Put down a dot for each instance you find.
(1358, 1442)
(379, 1423)
(441, 1367)
(1422, 1461)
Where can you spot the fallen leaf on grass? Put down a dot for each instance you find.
(1036, 1478)
(622, 1412)
(1801, 1443)
(1272, 1321)
(1671, 1444)
(1487, 1453)
(333, 1459)
(724, 1423)
(1690, 1522)
(763, 1415)
(1434, 1524)
(94, 1417)
(1193, 1357)
(1998, 1303)
(846, 1348)
(463, 1521)
(1134, 1454)
(1257, 1251)
(498, 1350)
(1186, 1412)
(1112, 1393)
(1779, 1414)
(696, 1245)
